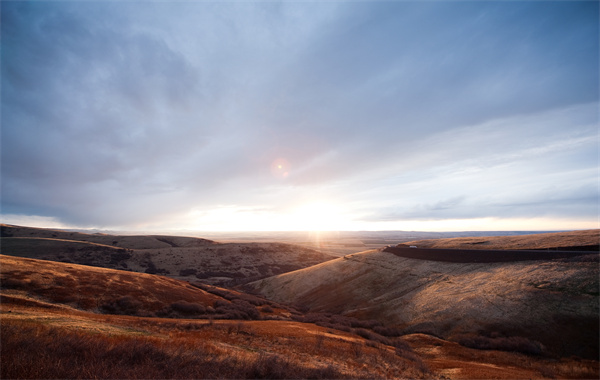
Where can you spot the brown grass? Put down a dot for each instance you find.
(179, 257)
(45, 317)
(97, 289)
(37, 351)
(157, 348)
(586, 238)
(51, 328)
(455, 361)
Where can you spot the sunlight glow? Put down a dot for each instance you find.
(280, 168)
(310, 216)
(318, 216)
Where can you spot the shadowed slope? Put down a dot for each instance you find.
(46, 334)
(51, 328)
(178, 257)
(483, 255)
(554, 302)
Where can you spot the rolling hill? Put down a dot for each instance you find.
(186, 258)
(585, 240)
(79, 321)
(551, 302)
(62, 320)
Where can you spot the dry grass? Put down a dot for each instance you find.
(546, 301)
(455, 361)
(50, 331)
(52, 326)
(97, 289)
(590, 238)
(179, 257)
(38, 351)
(157, 348)
(125, 241)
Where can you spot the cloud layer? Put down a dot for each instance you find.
(156, 115)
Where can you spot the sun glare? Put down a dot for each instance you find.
(317, 216)
(280, 168)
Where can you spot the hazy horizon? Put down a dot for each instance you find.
(300, 116)
(237, 233)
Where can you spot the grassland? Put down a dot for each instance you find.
(51, 329)
(586, 240)
(64, 320)
(553, 302)
(186, 258)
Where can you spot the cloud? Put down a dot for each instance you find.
(120, 114)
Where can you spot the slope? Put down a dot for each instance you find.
(553, 302)
(174, 256)
(585, 240)
(72, 320)
(50, 331)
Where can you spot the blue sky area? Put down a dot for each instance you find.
(241, 115)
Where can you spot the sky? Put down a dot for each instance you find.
(303, 115)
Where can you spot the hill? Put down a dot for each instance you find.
(70, 321)
(586, 240)
(551, 302)
(179, 257)
(81, 321)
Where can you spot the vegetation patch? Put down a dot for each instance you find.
(495, 341)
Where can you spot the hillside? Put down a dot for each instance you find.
(47, 283)
(186, 258)
(76, 321)
(586, 240)
(554, 302)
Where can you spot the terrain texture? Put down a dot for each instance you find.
(64, 320)
(586, 240)
(373, 314)
(552, 303)
(187, 258)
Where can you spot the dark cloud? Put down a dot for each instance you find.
(122, 114)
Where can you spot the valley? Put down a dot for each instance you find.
(292, 311)
(186, 258)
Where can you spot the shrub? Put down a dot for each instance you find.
(13, 283)
(237, 309)
(401, 344)
(187, 308)
(370, 335)
(387, 331)
(369, 324)
(276, 367)
(119, 256)
(513, 343)
(126, 305)
(266, 309)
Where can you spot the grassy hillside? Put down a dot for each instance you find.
(186, 258)
(77, 321)
(121, 241)
(52, 329)
(582, 240)
(99, 289)
(551, 302)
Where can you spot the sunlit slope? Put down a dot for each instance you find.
(63, 317)
(542, 299)
(584, 240)
(56, 316)
(95, 289)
